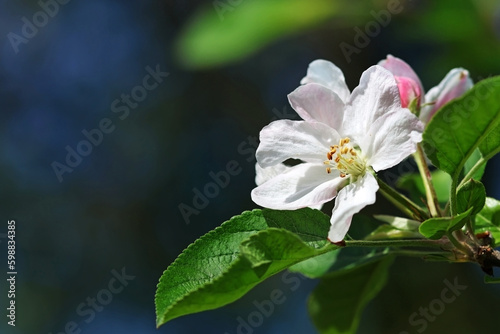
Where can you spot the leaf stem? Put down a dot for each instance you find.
(470, 230)
(472, 171)
(453, 238)
(453, 197)
(430, 192)
(418, 253)
(402, 202)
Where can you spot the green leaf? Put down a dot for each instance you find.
(400, 223)
(210, 272)
(415, 186)
(463, 125)
(390, 232)
(337, 303)
(471, 195)
(435, 228)
(276, 249)
(491, 211)
(490, 146)
(489, 219)
(224, 32)
(397, 228)
(317, 266)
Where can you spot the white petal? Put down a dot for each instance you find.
(300, 186)
(350, 200)
(285, 139)
(265, 174)
(392, 138)
(314, 102)
(454, 85)
(376, 95)
(327, 74)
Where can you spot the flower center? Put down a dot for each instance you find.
(346, 159)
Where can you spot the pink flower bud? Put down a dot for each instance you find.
(409, 90)
(409, 84)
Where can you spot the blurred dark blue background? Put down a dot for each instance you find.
(118, 209)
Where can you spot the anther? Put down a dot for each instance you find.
(344, 141)
(328, 170)
(342, 175)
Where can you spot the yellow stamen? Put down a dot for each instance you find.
(345, 159)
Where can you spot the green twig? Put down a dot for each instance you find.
(419, 253)
(396, 243)
(470, 229)
(402, 202)
(453, 237)
(432, 200)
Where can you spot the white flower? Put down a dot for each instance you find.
(343, 139)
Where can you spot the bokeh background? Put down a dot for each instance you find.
(230, 67)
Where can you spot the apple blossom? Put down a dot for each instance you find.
(454, 84)
(342, 141)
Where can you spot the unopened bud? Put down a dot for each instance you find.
(409, 91)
